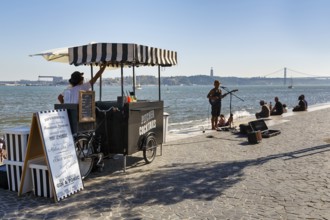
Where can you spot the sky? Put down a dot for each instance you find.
(240, 38)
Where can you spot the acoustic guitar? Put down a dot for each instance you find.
(215, 101)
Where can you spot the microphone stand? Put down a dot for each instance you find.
(231, 97)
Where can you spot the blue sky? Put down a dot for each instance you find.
(242, 38)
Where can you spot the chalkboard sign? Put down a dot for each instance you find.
(86, 106)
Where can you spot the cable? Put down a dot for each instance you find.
(273, 72)
(306, 74)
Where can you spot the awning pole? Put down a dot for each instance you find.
(100, 88)
(92, 76)
(159, 82)
(134, 82)
(122, 83)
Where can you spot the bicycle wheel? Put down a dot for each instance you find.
(149, 149)
(84, 151)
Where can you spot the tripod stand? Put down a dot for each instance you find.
(231, 93)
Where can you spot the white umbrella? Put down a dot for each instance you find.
(61, 55)
(57, 55)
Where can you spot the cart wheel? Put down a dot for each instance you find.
(149, 149)
(84, 151)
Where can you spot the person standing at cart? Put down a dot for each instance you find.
(71, 95)
(215, 96)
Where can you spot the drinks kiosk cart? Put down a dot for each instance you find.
(123, 126)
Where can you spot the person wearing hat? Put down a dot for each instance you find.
(215, 96)
(264, 113)
(71, 94)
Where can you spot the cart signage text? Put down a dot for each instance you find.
(147, 122)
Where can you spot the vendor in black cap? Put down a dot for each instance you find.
(71, 95)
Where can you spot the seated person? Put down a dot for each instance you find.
(230, 121)
(302, 105)
(264, 113)
(304, 100)
(278, 108)
(222, 121)
(285, 110)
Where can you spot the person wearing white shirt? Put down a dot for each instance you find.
(71, 95)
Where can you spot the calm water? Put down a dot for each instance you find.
(187, 105)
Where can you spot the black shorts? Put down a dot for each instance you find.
(216, 109)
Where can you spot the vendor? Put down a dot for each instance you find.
(71, 94)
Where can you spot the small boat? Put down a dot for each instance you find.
(138, 86)
(291, 86)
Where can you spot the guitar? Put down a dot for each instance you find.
(215, 101)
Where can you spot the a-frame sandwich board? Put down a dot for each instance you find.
(51, 139)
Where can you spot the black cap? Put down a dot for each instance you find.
(76, 78)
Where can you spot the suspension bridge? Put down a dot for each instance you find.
(297, 74)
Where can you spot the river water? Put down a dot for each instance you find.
(187, 106)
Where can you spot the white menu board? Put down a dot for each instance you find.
(60, 152)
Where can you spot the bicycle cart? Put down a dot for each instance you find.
(123, 126)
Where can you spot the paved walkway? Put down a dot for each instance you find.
(215, 175)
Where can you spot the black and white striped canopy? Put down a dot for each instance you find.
(116, 54)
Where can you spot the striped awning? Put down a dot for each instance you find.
(117, 54)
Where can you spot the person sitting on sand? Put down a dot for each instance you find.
(278, 107)
(302, 106)
(304, 100)
(230, 120)
(222, 121)
(285, 110)
(264, 113)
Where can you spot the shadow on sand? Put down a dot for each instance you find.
(170, 184)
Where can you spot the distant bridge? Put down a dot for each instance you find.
(306, 75)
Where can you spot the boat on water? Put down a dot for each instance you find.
(138, 86)
(291, 85)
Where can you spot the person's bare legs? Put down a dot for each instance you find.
(214, 121)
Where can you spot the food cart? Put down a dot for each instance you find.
(123, 126)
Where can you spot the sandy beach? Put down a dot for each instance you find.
(211, 175)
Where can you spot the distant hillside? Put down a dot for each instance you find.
(208, 80)
(193, 80)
